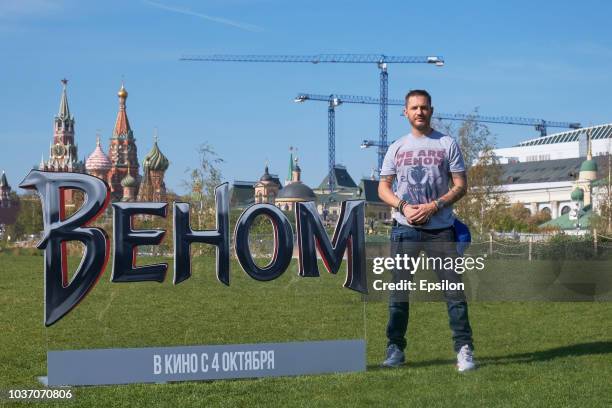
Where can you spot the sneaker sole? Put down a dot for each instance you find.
(393, 365)
(465, 369)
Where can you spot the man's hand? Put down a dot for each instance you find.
(410, 211)
(422, 213)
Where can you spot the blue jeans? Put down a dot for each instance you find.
(436, 243)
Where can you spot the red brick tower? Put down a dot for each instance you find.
(122, 151)
(63, 154)
(155, 164)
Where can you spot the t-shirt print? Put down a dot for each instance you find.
(421, 171)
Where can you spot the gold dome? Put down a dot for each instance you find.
(122, 92)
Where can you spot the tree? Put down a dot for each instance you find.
(603, 220)
(202, 183)
(29, 219)
(518, 218)
(474, 138)
(485, 199)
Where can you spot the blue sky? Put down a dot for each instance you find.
(534, 59)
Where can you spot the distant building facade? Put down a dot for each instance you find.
(329, 203)
(294, 191)
(567, 189)
(267, 188)
(9, 203)
(564, 145)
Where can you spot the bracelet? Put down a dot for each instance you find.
(400, 206)
(440, 203)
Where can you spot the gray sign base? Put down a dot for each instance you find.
(189, 363)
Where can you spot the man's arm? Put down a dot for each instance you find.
(454, 194)
(385, 192)
(458, 190)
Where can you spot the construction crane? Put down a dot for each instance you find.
(336, 100)
(333, 102)
(379, 59)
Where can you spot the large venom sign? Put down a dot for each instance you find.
(61, 295)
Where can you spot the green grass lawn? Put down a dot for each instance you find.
(530, 353)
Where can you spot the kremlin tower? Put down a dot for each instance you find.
(63, 155)
(154, 166)
(119, 169)
(122, 152)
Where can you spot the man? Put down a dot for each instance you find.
(422, 163)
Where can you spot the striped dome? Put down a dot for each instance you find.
(129, 181)
(155, 159)
(98, 160)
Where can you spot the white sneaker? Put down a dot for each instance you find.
(465, 359)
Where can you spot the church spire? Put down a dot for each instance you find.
(290, 172)
(64, 111)
(122, 125)
(589, 146)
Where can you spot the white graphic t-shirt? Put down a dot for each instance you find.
(422, 165)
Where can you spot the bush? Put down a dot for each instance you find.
(566, 247)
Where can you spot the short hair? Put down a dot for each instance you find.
(418, 92)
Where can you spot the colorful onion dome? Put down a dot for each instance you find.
(155, 159)
(98, 160)
(129, 181)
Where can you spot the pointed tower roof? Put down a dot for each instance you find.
(64, 111)
(98, 160)
(3, 181)
(266, 176)
(588, 168)
(155, 159)
(290, 172)
(122, 124)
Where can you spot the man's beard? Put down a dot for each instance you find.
(425, 125)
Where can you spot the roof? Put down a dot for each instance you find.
(597, 132)
(368, 190)
(577, 194)
(64, 111)
(155, 159)
(122, 124)
(545, 170)
(341, 177)
(4, 181)
(331, 198)
(588, 165)
(297, 190)
(563, 222)
(98, 160)
(242, 193)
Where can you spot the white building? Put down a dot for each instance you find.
(564, 145)
(543, 173)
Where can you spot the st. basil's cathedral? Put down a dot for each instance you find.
(120, 168)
